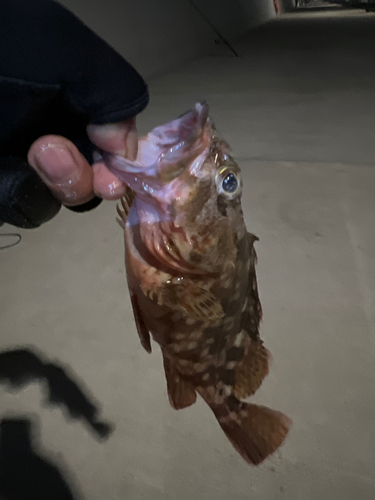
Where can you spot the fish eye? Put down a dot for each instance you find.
(228, 183)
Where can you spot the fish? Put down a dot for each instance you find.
(190, 265)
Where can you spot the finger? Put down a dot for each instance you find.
(106, 184)
(63, 169)
(120, 138)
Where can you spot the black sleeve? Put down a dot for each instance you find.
(24, 200)
(56, 76)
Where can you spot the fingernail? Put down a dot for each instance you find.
(57, 165)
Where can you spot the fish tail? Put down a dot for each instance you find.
(255, 431)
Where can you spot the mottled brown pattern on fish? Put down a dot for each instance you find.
(199, 198)
(203, 309)
(189, 346)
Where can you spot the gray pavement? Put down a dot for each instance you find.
(298, 109)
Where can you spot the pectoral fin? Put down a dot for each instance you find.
(199, 303)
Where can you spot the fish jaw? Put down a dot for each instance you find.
(165, 153)
(159, 182)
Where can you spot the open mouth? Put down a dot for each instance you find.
(164, 153)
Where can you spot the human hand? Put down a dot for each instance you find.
(68, 174)
(63, 92)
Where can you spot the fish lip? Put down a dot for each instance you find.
(177, 144)
(142, 180)
(132, 167)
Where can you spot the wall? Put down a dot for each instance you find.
(288, 5)
(257, 11)
(157, 35)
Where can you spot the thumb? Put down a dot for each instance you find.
(120, 138)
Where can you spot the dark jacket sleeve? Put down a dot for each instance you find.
(56, 76)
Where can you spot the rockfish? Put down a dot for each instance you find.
(190, 266)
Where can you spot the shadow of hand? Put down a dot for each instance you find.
(19, 367)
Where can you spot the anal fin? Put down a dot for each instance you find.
(251, 371)
(181, 394)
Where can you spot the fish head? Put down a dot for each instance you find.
(187, 193)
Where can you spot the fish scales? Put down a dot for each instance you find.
(191, 274)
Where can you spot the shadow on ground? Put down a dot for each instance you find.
(25, 474)
(19, 367)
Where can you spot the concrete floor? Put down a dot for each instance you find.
(298, 108)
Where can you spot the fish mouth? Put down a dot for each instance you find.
(165, 153)
(163, 156)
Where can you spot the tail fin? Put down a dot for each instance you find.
(256, 431)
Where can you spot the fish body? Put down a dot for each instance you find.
(190, 265)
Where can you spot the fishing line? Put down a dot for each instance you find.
(16, 239)
(213, 27)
